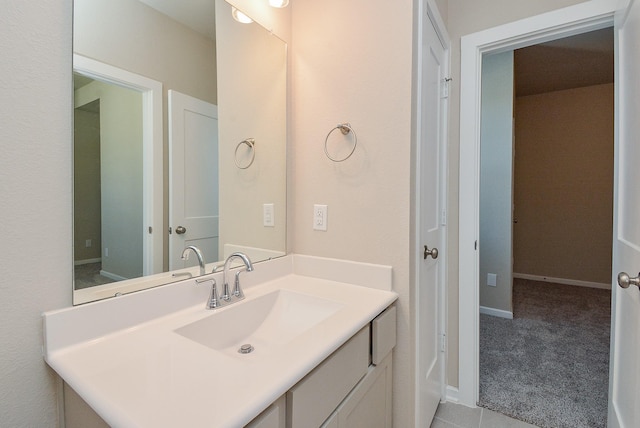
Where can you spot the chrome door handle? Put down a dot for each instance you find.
(624, 280)
(430, 252)
(181, 230)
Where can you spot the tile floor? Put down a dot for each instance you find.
(450, 415)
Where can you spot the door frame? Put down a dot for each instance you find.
(565, 22)
(152, 156)
(428, 14)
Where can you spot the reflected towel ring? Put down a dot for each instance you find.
(252, 146)
(345, 128)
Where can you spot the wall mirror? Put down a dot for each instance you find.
(179, 139)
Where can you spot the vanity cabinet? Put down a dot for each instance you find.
(351, 388)
(369, 404)
(273, 416)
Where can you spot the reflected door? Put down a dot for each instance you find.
(193, 178)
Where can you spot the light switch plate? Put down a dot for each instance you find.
(268, 219)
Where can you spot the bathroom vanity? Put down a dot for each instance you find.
(320, 331)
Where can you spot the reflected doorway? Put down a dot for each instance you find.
(108, 187)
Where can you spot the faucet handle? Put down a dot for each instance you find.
(214, 301)
(237, 291)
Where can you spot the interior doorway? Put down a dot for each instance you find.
(546, 199)
(554, 25)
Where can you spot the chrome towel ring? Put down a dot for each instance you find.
(345, 128)
(251, 143)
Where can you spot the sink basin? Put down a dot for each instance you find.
(270, 320)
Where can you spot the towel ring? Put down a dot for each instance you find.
(251, 143)
(345, 128)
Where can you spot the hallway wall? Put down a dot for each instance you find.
(564, 184)
(496, 181)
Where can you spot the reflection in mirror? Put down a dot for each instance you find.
(107, 150)
(160, 108)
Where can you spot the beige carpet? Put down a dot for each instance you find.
(549, 365)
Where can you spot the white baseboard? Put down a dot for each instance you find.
(452, 394)
(112, 276)
(87, 261)
(577, 282)
(496, 312)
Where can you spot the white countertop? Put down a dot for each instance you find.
(144, 374)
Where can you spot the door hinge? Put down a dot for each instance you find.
(170, 230)
(445, 87)
(475, 245)
(443, 342)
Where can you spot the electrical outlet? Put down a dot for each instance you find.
(268, 219)
(492, 279)
(320, 217)
(87, 243)
(106, 251)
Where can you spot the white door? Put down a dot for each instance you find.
(193, 178)
(430, 227)
(624, 382)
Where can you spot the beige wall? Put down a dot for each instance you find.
(352, 62)
(35, 203)
(86, 187)
(564, 184)
(148, 43)
(121, 175)
(466, 17)
(253, 65)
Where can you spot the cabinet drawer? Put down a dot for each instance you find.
(314, 398)
(272, 417)
(383, 337)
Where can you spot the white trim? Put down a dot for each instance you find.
(113, 276)
(87, 261)
(496, 312)
(451, 395)
(438, 24)
(587, 16)
(577, 282)
(152, 175)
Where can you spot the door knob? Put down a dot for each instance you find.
(430, 252)
(624, 280)
(180, 230)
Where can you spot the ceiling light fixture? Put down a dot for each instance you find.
(240, 17)
(279, 3)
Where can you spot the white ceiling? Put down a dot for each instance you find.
(572, 62)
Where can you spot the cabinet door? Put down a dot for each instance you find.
(312, 400)
(369, 404)
(273, 416)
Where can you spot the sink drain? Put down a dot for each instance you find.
(246, 349)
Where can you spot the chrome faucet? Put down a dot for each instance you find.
(185, 256)
(214, 301)
(237, 291)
